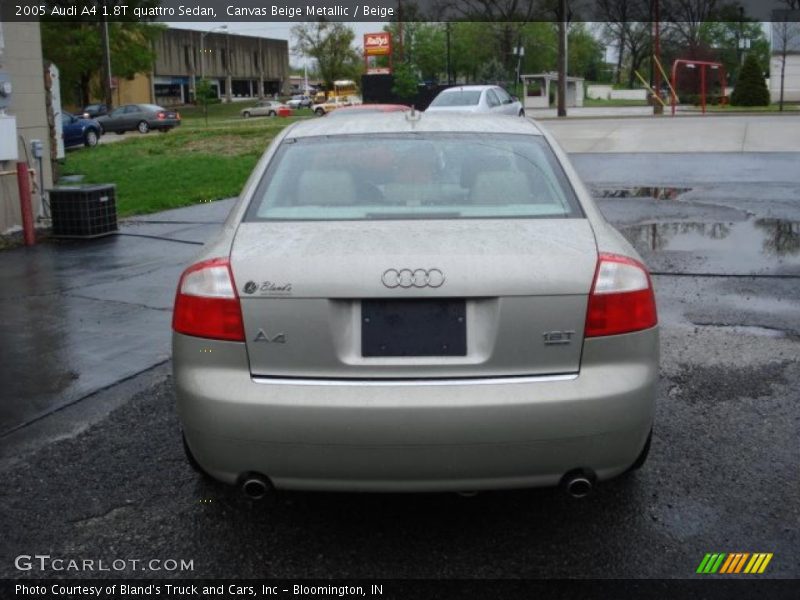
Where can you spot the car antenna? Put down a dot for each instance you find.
(413, 114)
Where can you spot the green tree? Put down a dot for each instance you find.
(585, 52)
(405, 82)
(430, 50)
(205, 95)
(468, 49)
(751, 89)
(493, 71)
(724, 37)
(76, 49)
(331, 46)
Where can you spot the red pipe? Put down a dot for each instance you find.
(703, 86)
(25, 203)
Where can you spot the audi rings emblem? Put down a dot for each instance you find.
(407, 278)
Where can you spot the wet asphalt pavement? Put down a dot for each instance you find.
(105, 477)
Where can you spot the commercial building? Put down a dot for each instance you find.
(237, 66)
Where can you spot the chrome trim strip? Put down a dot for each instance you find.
(415, 382)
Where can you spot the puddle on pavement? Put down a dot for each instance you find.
(751, 246)
(655, 193)
(746, 329)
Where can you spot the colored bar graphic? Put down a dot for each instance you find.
(733, 563)
(751, 564)
(740, 564)
(703, 563)
(764, 564)
(728, 562)
(718, 563)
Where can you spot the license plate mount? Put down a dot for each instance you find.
(419, 327)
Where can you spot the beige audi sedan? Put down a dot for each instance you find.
(415, 302)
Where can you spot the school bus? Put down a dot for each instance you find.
(341, 88)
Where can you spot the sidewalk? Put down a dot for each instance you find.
(685, 134)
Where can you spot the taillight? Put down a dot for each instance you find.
(206, 304)
(621, 299)
(161, 116)
(178, 116)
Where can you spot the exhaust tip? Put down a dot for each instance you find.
(255, 486)
(578, 483)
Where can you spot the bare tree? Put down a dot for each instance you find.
(624, 23)
(639, 44)
(786, 40)
(618, 17)
(686, 18)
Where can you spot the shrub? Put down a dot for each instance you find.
(751, 89)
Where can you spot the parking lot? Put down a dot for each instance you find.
(92, 462)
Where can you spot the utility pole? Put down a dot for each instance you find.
(400, 30)
(107, 87)
(562, 58)
(449, 70)
(203, 35)
(658, 108)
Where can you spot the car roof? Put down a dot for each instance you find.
(403, 122)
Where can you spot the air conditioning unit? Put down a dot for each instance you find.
(85, 211)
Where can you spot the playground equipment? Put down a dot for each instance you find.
(672, 81)
(702, 65)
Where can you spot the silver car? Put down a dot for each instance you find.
(264, 108)
(415, 302)
(490, 99)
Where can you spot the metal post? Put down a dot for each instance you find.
(203, 55)
(703, 86)
(674, 89)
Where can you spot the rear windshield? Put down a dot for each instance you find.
(460, 98)
(413, 176)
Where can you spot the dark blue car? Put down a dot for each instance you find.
(79, 131)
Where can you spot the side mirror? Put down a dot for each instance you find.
(515, 98)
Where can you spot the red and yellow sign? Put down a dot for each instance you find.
(377, 44)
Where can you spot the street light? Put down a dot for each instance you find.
(203, 35)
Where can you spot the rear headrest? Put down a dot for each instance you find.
(334, 188)
(475, 164)
(500, 187)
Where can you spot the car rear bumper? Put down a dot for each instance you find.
(164, 123)
(417, 435)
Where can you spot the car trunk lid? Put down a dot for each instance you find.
(519, 286)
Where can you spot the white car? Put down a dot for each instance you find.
(299, 101)
(490, 99)
(331, 104)
(264, 108)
